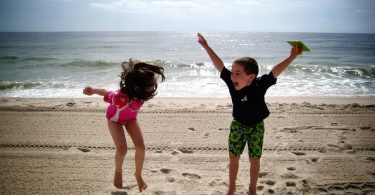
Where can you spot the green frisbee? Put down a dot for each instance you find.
(300, 45)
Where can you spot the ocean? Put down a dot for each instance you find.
(61, 64)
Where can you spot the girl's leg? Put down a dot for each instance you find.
(118, 136)
(254, 174)
(233, 169)
(135, 134)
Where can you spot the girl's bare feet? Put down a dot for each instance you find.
(117, 182)
(141, 184)
(252, 192)
(231, 191)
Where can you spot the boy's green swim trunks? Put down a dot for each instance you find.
(240, 134)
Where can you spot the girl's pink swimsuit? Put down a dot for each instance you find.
(120, 109)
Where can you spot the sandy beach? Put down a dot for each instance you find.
(62, 146)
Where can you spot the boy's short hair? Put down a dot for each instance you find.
(249, 64)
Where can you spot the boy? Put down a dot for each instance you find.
(249, 109)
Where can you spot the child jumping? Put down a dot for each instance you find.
(138, 84)
(249, 109)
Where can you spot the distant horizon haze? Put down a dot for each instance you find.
(310, 16)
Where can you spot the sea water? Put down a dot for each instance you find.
(61, 64)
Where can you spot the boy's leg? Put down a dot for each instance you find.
(255, 144)
(233, 169)
(118, 136)
(236, 145)
(254, 174)
(135, 134)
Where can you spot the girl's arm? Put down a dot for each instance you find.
(279, 68)
(219, 65)
(90, 91)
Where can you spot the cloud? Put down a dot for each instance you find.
(150, 6)
(175, 6)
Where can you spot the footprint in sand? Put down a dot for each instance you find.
(323, 150)
(214, 183)
(290, 184)
(166, 171)
(365, 128)
(262, 174)
(289, 176)
(70, 104)
(170, 179)
(270, 182)
(175, 152)
(291, 168)
(219, 107)
(371, 174)
(164, 193)
(191, 176)
(322, 190)
(158, 151)
(83, 149)
(186, 150)
(353, 186)
(289, 130)
(260, 187)
(299, 153)
(119, 193)
(191, 128)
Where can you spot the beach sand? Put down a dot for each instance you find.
(62, 146)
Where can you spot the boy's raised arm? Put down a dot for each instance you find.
(219, 65)
(279, 68)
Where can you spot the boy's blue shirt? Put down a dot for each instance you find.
(249, 106)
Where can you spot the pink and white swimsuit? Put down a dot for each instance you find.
(120, 109)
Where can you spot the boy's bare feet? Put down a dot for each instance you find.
(141, 184)
(117, 181)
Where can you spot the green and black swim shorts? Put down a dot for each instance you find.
(240, 134)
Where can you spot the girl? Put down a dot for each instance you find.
(138, 84)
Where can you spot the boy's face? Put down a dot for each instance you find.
(240, 78)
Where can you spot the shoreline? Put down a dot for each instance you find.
(182, 100)
(162, 104)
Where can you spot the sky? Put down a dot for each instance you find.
(327, 16)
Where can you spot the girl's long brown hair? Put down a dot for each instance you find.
(138, 80)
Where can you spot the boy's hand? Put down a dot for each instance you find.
(202, 40)
(295, 51)
(279, 68)
(88, 90)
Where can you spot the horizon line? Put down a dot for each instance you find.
(180, 31)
